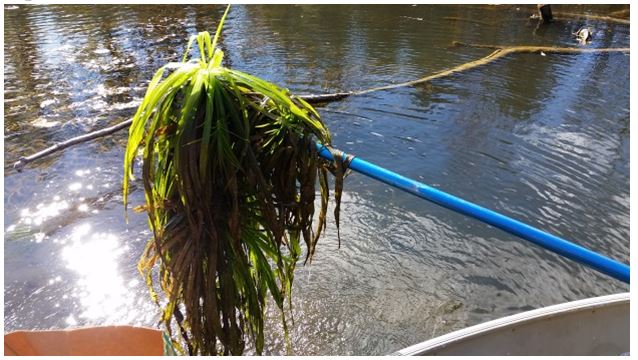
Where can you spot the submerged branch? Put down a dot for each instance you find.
(20, 164)
(546, 49)
(620, 13)
(471, 21)
(25, 160)
(323, 98)
(499, 52)
(591, 17)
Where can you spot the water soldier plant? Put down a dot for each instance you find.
(230, 167)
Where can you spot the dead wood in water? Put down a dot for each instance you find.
(545, 11)
(20, 164)
(472, 21)
(25, 160)
(324, 98)
(545, 49)
(591, 17)
(620, 13)
(499, 52)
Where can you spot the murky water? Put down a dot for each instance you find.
(544, 139)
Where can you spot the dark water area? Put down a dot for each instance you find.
(541, 138)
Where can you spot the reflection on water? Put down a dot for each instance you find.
(544, 139)
(100, 290)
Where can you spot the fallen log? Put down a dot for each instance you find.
(499, 52)
(546, 49)
(23, 161)
(591, 17)
(471, 21)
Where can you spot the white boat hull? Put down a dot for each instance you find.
(595, 326)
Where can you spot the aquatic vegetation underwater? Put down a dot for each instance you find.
(230, 167)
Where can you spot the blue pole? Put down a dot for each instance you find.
(553, 243)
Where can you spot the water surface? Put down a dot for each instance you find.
(544, 139)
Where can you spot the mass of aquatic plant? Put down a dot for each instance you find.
(230, 168)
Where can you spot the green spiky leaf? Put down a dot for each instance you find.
(229, 171)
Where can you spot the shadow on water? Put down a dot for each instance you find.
(544, 139)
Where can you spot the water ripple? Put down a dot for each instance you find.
(544, 139)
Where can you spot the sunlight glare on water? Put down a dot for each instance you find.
(541, 138)
(101, 290)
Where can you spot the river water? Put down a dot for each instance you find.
(541, 138)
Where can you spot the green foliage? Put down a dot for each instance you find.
(229, 170)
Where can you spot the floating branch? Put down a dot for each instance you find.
(591, 17)
(546, 49)
(620, 13)
(324, 98)
(20, 164)
(25, 160)
(471, 21)
(499, 52)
